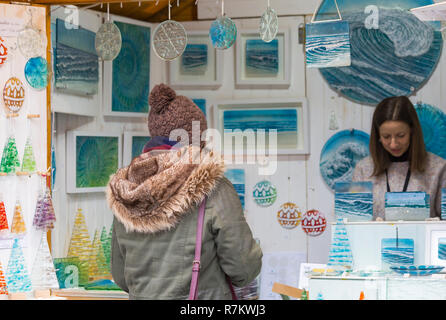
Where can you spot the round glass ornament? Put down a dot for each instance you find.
(13, 94)
(269, 25)
(36, 73)
(108, 41)
(169, 40)
(3, 51)
(223, 33)
(31, 43)
(264, 193)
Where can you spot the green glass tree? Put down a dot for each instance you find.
(17, 278)
(106, 246)
(29, 161)
(97, 263)
(10, 158)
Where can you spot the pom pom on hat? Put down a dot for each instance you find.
(160, 97)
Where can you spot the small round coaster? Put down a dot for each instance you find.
(36, 73)
(31, 43)
(108, 41)
(169, 40)
(13, 94)
(269, 25)
(223, 33)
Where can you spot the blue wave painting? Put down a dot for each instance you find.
(354, 201)
(443, 204)
(442, 248)
(131, 70)
(394, 60)
(397, 251)
(327, 44)
(138, 143)
(76, 64)
(340, 155)
(433, 124)
(406, 199)
(237, 178)
(194, 60)
(262, 58)
(201, 103)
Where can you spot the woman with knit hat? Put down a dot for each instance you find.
(155, 202)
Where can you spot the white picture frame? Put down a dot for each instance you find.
(253, 75)
(434, 234)
(107, 107)
(74, 164)
(287, 144)
(208, 77)
(129, 136)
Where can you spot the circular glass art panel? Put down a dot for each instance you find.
(269, 25)
(31, 43)
(264, 193)
(3, 51)
(223, 33)
(314, 223)
(169, 40)
(289, 215)
(433, 124)
(36, 73)
(341, 153)
(108, 41)
(13, 94)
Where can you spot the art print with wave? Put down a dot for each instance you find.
(394, 60)
(327, 44)
(237, 178)
(340, 155)
(354, 201)
(194, 60)
(443, 204)
(262, 58)
(442, 248)
(396, 251)
(433, 125)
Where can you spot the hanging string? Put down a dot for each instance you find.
(108, 12)
(269, 4)
(169, 9)
(222, 8)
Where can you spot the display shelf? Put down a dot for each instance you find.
(82, 294)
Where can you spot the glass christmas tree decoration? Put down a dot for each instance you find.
(43, 274)
(18, 224)
(44, 216)
(29, 161)
(3, 286)
(106, 246)
(340, 251)
(80, 245)
(10, 158)
(4, 228)
(17, 278)
(97, 263)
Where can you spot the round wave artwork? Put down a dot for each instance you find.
(433, 124)
(223, 33)
(341, 153)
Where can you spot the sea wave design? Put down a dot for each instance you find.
(75, 65)
(442, 250)
(443, 204)
(397, 255)
(328, 50)
(394, 60)
(357, 206)
(433, 124)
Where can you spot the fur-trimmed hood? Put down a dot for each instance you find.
(155, 191)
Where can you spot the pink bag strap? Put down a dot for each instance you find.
(193, 293)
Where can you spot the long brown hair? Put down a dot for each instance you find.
(397, 109)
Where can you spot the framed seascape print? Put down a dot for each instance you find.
(127, 77)
(199, 67)
(436, 245)
(134, 142)
(263, 64)
(250, 125)
(92, 157)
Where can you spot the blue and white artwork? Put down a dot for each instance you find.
(408, 206)
(36, 73)
(354, 201)
(131, 70)
(392, 54)
(442, 248)
(433, 124)
(76, 64)
(285, 121)
(340, 254)
(443, 204)
(396, 251)
(237, 178)
(194, 60)
(138, 143)
(327, 44)
(201, 103)
(341, 153)
(261, 58)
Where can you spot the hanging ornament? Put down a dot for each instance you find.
(30, 41)
(97, 262)
(10, 162)
(29, 161)
(314, 223)
(269, 24)
(264, 193)
(43, 274)
(333, 122)
(289, 215)
(170, 39)
(18, 224)
(108, 40)
(36, 73)
(3, 285)
(3, 51)
(13, 95)
(223, 31)
(17, 277)
(44, 216)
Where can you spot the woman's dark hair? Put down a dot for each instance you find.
(397, 109)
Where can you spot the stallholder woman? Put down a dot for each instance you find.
(398, 160)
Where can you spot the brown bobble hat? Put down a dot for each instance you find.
(169, 112)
